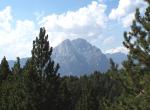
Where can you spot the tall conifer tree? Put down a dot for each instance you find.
(137, 41)
(4, 69)
(45, 79)
(41, 55)
(16, 68)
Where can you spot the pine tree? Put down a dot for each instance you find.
(137, 41)
(44, 79)
(113, 66)
(41, 55)
(17, 68)
(65, 97)
(11, 89)
(4, 69)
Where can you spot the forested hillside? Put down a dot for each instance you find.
(39, 86)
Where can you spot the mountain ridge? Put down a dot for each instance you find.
(84, 57)
(78, 57)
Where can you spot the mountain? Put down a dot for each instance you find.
(118, 57)
(79, 57)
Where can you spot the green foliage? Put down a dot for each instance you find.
(4, 69)
(138, 40)
(43, 81)
(17, 68)
(41, 56)
(13, 95)
(113, 66)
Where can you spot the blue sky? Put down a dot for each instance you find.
(25, 9)
(101, 22)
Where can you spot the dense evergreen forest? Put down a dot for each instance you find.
(38, 85)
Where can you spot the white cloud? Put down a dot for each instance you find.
(87, 22)
(15, 40)
(16, 36)
(5, 19)
(18, 42)
(108, 40)
(124, 13)
(117, 49)
(127, 20)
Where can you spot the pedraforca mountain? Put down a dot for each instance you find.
(76, 57)
(79, 57)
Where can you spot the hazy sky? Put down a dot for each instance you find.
(101, 22)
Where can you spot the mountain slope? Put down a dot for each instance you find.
(118, 57)
(70, 61)
(78, 57)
